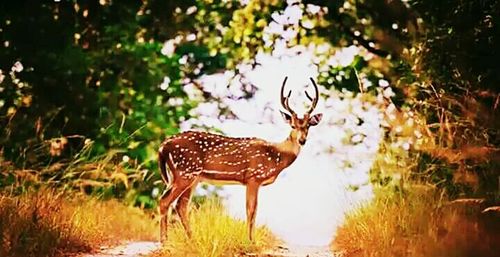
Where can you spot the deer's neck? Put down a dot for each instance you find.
(289, 147)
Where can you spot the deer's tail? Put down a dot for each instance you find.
(162, 162)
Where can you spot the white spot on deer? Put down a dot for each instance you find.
(172, 160)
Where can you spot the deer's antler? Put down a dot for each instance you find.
(313, 100)
(284, 99)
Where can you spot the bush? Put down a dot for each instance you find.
(418, 222)
(47, 223)
(215, 234)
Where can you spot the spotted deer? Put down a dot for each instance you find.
(195, 156)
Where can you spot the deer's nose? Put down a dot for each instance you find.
(302, 141)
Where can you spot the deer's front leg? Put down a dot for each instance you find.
(252, 195)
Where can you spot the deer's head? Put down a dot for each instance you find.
(300, 126)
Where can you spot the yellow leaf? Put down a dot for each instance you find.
(133, 144)
(237, 39)
(261, 23)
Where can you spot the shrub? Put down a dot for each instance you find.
(47, 223)
(215, 234)
(418, 222)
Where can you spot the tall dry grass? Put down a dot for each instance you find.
(418, 222)
(215, 234)
(47, 223)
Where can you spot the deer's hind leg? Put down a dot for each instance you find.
(179, 186)
(183, 208)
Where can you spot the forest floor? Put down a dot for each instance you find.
(144, 248)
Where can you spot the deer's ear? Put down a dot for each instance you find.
(315, 119)
(286, 116)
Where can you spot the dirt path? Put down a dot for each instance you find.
(143, 248)
(301, 251)
(129, 249)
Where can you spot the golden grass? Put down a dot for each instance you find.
(418, 223)
(215, 234)
(47, 223)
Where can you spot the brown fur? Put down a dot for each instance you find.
(199, 156)
(215, 157)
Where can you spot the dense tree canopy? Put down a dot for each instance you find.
(112, 74)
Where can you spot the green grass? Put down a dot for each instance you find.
(215, 234)
(417, 223)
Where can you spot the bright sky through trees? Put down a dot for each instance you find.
(336, 158)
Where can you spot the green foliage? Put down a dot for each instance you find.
(88, 76)
(461, 44)
(92, 76)
(228, 28)
(77, 74)
(441, 57)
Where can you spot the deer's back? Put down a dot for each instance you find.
(217, 157)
